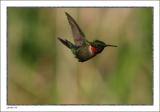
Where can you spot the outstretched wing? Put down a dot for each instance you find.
(78, 35)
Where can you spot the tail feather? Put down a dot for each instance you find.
(66, 43)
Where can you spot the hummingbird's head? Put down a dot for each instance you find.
(99, 45)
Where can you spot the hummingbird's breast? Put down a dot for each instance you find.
(83, 53)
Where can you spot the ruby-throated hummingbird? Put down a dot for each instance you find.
(83, 49)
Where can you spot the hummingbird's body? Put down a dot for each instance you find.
(83, 49)
(83, 53)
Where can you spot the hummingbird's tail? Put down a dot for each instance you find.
(67, 43)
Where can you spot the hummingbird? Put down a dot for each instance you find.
(82, 49)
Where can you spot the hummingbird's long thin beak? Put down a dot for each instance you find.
(107, 45)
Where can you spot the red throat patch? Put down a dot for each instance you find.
(94, 50)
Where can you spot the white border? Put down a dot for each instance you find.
(5, 4)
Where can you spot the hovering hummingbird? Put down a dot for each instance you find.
(82, 49)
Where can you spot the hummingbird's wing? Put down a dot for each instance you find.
(78, 35)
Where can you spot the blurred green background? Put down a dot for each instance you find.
(43, 71)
